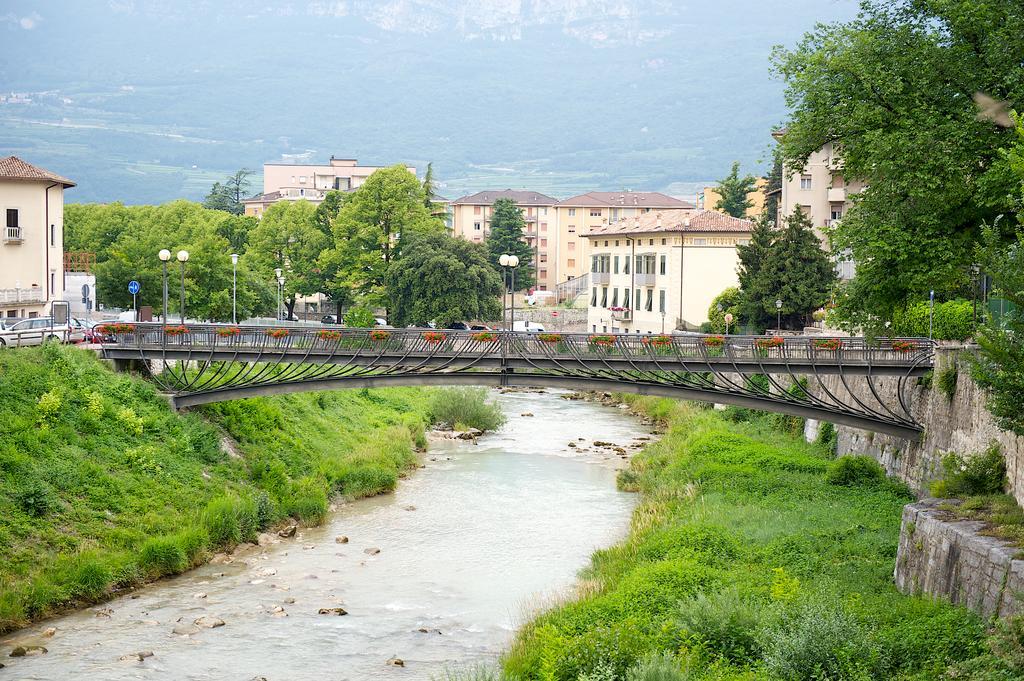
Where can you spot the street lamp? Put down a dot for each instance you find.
(728, 321)
(165, 255)
(277, 276)
(778, 310)
(509, 261)
(234, 288)
(183, 258)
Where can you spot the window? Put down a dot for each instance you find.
(53, 235)
(593, 297)
(571, 263)
(543, 226)
(625, 297)
(604, 296)
(650, 300)
(595, 212)
(13, 226)
(625, 265)
(571, 246)
(652, 242)
(637, 296)
(805, 182)
(572, 213)
(543, 257)
(615, 266)
(615, 297)
(572, 229)
(661, 301)
(606, 244)
(664, 242)
(543, 211)
(302, 179)
(476, 210)
(700, 242)
(616, 242)
(543, 274)
(476, 226)
(544, 243)
(837, 214)
(53, 282)
(663, 264)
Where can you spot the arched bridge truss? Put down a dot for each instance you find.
(804, 376)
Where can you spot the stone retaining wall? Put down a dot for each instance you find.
(942, 556)
(567, 320)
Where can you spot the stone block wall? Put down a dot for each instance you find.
(941, 556)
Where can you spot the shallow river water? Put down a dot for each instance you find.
(469, 545)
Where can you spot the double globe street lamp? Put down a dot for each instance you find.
(509, 262)
(165, 256)
(280, 290)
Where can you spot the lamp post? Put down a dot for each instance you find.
(728, 321)
(277, 276)
(511, 262)
(234, 288)
(778, 311)
(183, 258)
(165, 255)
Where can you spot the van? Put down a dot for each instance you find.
(529, 327)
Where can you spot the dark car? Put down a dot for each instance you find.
(328, 319)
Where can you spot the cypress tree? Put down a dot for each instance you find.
(507, 225)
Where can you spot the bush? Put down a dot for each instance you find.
(36, 498)
(816, 642)
(90, 578)
(954, 320)
(852, 471)
(359, 317)
(658, 667)
(973, 476)
(947, 379)
(723, 622)
(221, 522)
(306, 501)
(827, 436)
(162, 556)
(468, 406)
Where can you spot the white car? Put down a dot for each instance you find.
(34, 331)
(530, 327)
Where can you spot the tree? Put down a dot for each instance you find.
(327, 211)
(373, 225)
(797, 272)
(507, 226)
(893, 92)
(752, 257)
(236, 230)
(729, 300)
(228, 196)
(442, 279)
(287, 239)
(734, 192)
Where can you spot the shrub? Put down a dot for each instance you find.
(221, 522)
(162, 556)
(193, 542)
(36, 498)
(827, 436)
(359, 318)
(90, 578)
(976, 475)
(306, 501)
(954, 320)
(852, 471)
(816, 642)
(658, 667)
(724, 622)
(947, 379)
(468, 406)
(248, 520)
(48, 407)
(130, 421)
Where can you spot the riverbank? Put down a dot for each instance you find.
(753, 555)
(103, 487)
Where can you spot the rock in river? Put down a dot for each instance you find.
(209, 622)
(185, 630)
(137, 657)
(332, 611)
(371, 552)
(288, 531)
(28, 651)
(396, 662)
(341, 539)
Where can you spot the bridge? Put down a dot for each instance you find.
(204, 363)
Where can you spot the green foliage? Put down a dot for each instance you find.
(360, 317)
(752, 258)
(854, 470)
(827, 436)
(953, 320)
(228, 196)
(967, 476)
(48, 406)
(658, 667)
(507, 226)
(162, 556)
(734, 193)
(307, 501)
(887, 90)
(35, 498)
(730, 300)
(220, 518)
(817, 642)
(466, 406)
(725, 623)
(442, 279)
(947, 380)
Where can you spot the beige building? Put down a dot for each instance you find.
(294, 182)
(660, 271)
(471, 220)
(32, 249)
(579, 214)
(710, 197)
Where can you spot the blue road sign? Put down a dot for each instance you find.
(133, 287)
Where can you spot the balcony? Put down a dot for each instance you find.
(600, 277)
(13, 235)
(18, 296)
(645, 279)
(837, 195)
(621, 314)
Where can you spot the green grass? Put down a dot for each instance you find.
(752, 555)
(103, 486)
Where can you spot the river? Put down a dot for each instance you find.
(469, 545)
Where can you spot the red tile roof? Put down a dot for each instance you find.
(685, 220)
(626, 200)
(522, 197)
(13, 168)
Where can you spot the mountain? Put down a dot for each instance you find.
(150, 100)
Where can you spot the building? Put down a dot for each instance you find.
(661, 270)
(294, 182)
(577, 215)
(822, 192)
(32, 250)
(471, 220)
(710, 197)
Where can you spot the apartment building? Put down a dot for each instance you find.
(471, 220)
(661, 270)
(294, 182)
(710, 197)
(577, 215)
(822, 192)
(31, 253)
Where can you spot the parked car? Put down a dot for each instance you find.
(34, 331)
(480, 327)
(328, 319)
(531, 327)
(458, 326)
(381, 322)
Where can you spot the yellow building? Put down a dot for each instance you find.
(471, 220)
(660, 271)
(32, 249)
(710, 197)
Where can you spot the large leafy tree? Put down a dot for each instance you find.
(228, 196)
(754, 288)
(287, 238)
(894, 92)
(507, 226)
(372, 227)
(442, 279)
(734, 193)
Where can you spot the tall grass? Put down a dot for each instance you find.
(462, 408)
